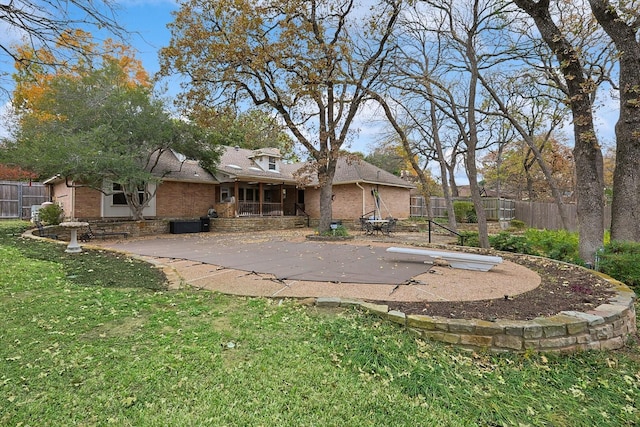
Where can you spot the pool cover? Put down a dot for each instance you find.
(286, 260)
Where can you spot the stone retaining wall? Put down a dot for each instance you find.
(257, 223)
(153, 227)
(607, 327)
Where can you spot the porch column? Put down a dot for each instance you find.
(260, 197)
(236, 198)
(281, 200)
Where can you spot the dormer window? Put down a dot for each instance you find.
(272, 163)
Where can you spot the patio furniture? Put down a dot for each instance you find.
(43, 233)
(185, 226)
(375, 226)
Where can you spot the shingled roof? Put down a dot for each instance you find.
(241, 164)
(350, 171)
(173, 166)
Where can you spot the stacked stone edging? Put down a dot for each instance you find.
(607, 327)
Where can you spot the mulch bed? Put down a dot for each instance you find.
(564, 287)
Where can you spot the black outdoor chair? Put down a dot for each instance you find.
(43, 233)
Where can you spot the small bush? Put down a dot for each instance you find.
(51, 214)
(505, 241)
(469, 238)
(561, 245)
(621, 260)
(465, 212)
(516, 224)
(340, 231)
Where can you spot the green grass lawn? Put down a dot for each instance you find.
(96, 339)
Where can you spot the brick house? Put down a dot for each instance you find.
(247, 183)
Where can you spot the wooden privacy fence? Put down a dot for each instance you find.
(539, 215)
(496, 209)
(16, 198)
(546, 215)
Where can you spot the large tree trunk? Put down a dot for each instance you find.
(587, 154)
(625, 209)
(326, 172)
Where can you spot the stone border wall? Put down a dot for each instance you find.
(607, 327)
(152, 227)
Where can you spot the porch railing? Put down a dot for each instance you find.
(253, 209)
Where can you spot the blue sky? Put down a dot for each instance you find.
(147, 21)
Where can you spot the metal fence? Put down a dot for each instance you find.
(496, 209)
(16, 198)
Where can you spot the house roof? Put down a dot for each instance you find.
(350, 171)
(240, 164)
(173, 166)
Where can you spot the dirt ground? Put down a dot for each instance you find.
(562, 288)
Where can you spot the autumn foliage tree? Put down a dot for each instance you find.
(45, 24)
(96, 125)
(516, 173)
(310, 61)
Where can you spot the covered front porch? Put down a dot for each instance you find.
(259, 199)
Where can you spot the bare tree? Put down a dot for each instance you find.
(462, 30)
(529, 128)
(309, 61)
(622, 23)
(587, 152)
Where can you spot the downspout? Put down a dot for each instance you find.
(363, 197)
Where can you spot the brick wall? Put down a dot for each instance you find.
(184, 200)
(87, 203)
(257, 223)
(78, 202)
(62, 195)
(351, 201)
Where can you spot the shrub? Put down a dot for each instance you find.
(340, 230)
(51, 214)
(505, 241)
(468, 238)
(465, 212)
(556, 244)
(516, 224)
(621, 260)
